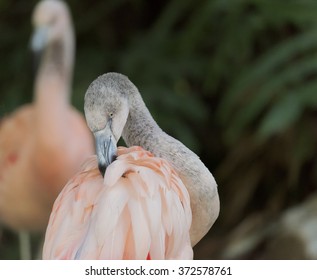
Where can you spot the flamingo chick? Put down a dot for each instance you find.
(43, 144)
(140, 209)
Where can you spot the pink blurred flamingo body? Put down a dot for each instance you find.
(43, 144)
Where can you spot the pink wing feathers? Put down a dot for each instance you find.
(139, 210)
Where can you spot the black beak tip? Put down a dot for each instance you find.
(113, 158)
(102, 167)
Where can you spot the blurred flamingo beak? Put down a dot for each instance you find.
(38, 43)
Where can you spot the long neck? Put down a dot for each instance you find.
(52, 90)
(56, 68)
(134, 133)
(142, 130)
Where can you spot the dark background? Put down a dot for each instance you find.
(233, 80)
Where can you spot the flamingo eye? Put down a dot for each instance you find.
(111, 115)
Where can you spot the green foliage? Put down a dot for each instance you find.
(267, 107)
(282, 69)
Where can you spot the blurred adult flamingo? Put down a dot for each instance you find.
(141, 208)
(44, 143)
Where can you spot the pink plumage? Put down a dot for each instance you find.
(140, 209)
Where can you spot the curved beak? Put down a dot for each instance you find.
(106, 147)
(38, 43)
